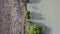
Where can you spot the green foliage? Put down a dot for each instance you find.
(33, 29)
(27, 22)
(28, 15)
(25, 1)
(28, 12)
(36, 29)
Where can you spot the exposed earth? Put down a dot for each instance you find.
(10, 17)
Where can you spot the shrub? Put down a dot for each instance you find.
(25, 1)
(27, 22)
(36, 29)
(28, 15)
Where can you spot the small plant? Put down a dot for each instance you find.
(25, 1)
(27, 22)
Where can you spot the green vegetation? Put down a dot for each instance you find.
(36, 29)
(28, 15)
(25, 1)
(27, 20)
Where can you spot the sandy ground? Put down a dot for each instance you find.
(46, 12)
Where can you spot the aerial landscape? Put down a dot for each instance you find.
(29, 16)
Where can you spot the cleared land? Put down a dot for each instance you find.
(11, 17)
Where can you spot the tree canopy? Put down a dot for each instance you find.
(36, 29)
(28, 15)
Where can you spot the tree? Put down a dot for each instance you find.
(36, 29)
(25, 1)
(28, 15)
(27, 20)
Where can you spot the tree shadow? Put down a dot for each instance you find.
(35, 1)
(35, 23)
(36, 16)
(48, 29)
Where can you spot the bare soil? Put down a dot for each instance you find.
(9, 17)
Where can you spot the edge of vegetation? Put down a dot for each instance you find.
(35, 29)
(25, 1)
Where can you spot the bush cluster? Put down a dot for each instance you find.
(36, 29)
